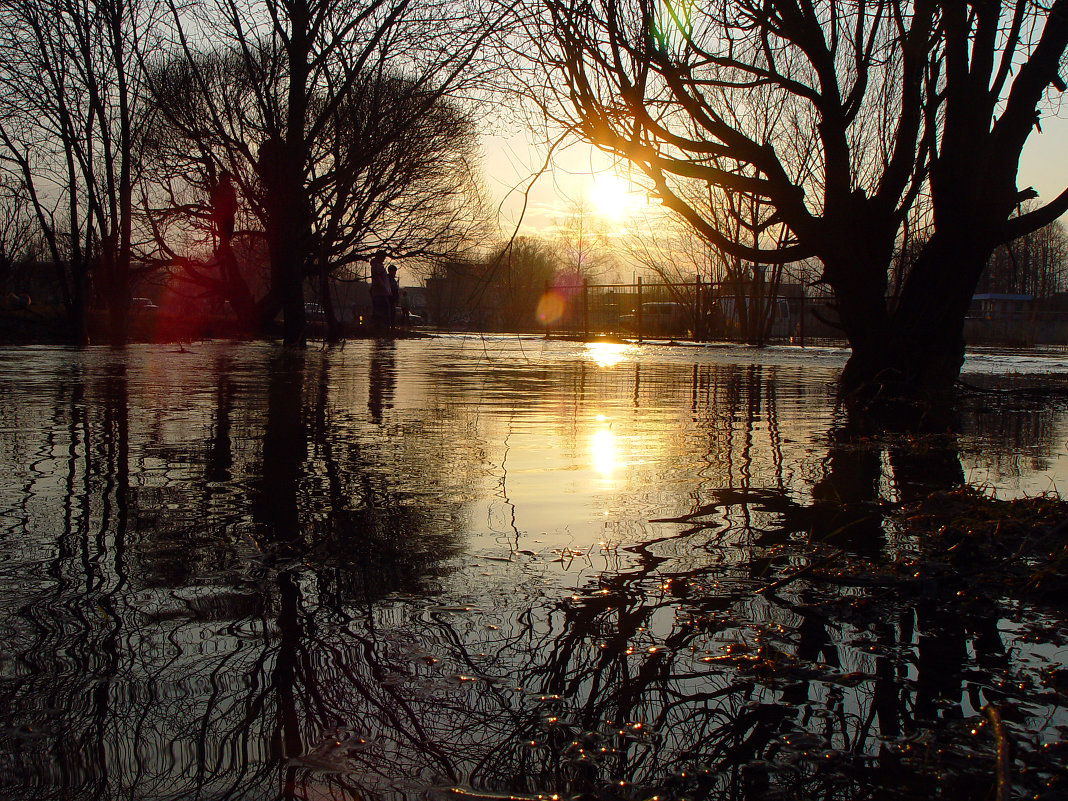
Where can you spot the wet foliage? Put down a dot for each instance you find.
(1012, 548)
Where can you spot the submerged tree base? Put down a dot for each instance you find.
(1017, 548)
(916, 587)
(898, 376)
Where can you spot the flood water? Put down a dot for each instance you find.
(451, 568)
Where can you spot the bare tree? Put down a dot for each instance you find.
(828, 114)
(523, 268)
(677, 254)
(811, 110)
(1036, 264)
(1001, 60)
(583, 244)
(670, 249)
(339, 123)
(16, 228)
(71, 94)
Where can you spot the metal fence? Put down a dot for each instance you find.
(698, 310)
(691, 310)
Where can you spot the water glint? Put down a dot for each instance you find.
(496, 568)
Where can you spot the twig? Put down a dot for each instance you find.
(1001, 746)
(802, 572)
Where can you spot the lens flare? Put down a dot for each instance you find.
(550, 307)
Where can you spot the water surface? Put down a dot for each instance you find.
(494, 566)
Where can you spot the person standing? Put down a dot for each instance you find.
(381, 291)
(223, 207)
(394, 295)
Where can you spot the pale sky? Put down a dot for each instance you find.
(583, 174)
(579, 174)
(1045, 161)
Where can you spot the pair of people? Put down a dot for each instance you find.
(385, 292)
(385, 289)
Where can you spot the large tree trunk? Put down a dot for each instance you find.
(119, 298)
(334, 328)
(855, 265)
(973, 191)
(287, 268)
(917, 353)
(863, 316)
(286, 221)
(929, 319)
(297, 218)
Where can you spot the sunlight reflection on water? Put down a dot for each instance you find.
(609, 354)
(504, 565)
(604, 452)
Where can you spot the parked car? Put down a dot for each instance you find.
(730, 317)
(659, 319)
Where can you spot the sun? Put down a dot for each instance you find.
(613, 197)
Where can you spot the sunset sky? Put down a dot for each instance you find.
(584, 175)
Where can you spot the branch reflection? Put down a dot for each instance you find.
(222, 581)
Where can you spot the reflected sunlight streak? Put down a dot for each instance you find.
(604, 451)
(607, 354)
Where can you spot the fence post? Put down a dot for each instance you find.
(585, 308)
(547, 324)
(698, 319)
(802, 329)
(638, 311)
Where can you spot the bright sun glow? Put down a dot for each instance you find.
(613, 197)
(606, 354)
(604, 451)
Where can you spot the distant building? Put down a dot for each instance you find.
(458, 295)
(1001, 306)
(997, 318)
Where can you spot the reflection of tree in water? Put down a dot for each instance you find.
(798, 690)
(171, 627)
(1021, 428)
(236, 623)
(793, 690)
(684, 681)
(67, 561)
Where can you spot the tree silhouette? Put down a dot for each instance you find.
(338, 121)
(71, 107)
(1000, 61)
(833, 117)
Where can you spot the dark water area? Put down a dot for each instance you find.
(502, 568)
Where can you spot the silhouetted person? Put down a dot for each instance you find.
(223, 207)
(394, 295)
(223, 211)
(381, 292)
